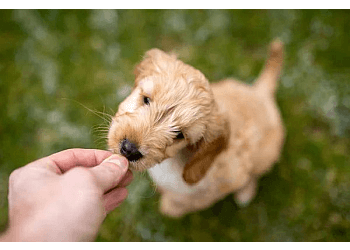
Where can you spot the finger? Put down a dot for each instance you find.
(127, 179)
(110, 172)
(70, 158)
(114, 198)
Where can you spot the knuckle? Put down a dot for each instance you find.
(80, 176)
(80, 172)
(113, 169)
(15, 175)
(18, 178)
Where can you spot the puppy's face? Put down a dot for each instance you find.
(165, 112)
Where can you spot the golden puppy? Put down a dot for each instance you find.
(199, 142)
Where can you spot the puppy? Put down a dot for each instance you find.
(199, 141)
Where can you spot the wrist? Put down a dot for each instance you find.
(11, 235)
(6, 236)
(25, 231)
(15, 235)
(46, 232)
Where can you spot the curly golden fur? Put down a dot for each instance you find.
(199, 141)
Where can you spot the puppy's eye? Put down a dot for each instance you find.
(146, 100)
(179, 135)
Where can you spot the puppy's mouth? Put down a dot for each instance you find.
(130, 150)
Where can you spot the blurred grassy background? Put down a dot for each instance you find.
(52, 63)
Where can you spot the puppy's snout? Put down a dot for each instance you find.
(130, 150)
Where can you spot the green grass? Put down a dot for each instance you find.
(53, 63)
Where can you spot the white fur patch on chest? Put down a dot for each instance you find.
(168, 175)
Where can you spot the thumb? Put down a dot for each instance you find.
(110, 172)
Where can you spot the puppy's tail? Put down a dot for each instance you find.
(267, 81)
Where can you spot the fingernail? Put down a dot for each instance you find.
(118, 160)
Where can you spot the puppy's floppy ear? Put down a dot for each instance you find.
(158, 54)
(203, 157)
(155, 61)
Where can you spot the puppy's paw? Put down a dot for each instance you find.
(244, 196)
(171, 208)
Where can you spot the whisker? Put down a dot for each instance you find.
(102, 125)
(104, 116)
(113, 112)
(101, 130)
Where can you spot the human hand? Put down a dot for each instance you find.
(65, 196)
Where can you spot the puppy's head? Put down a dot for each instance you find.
(167, 110)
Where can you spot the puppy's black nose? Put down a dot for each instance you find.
(130, 150)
